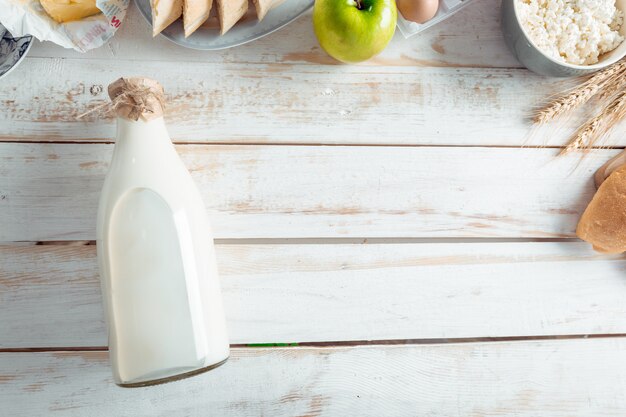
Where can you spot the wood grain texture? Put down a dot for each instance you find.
(567, 378)
(455, 84)
(284, 103)
(279, 103)
(470, 38)
(50, 191)
(50, 295)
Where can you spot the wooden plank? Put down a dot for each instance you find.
(281, 103)
(50, 295)
(50, 191)
(470, 38)
(566, 378)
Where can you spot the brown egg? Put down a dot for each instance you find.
(419, 11)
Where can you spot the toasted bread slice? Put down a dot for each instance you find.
(229, 12)
(264, 6)
(195, 13)
(164, 12)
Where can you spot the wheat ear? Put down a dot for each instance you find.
(614, 85)
(596, 127)
(579, 95)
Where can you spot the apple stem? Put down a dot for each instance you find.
(358, 4)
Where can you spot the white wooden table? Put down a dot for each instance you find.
(424, 262)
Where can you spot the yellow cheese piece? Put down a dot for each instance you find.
(68, 10)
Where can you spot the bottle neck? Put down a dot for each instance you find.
(138, 131)
(140, 140)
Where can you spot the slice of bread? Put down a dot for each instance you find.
(229, 12)
(195, 13)
(262, 7)
(164, 13)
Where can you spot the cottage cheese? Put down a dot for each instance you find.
(572, 31)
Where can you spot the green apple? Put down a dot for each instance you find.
(354, 30)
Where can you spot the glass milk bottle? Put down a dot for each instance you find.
(155, 251)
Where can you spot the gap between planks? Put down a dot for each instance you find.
(244, 142)
(322, 241)
(288, 65)
(555, 379)
(350, 343)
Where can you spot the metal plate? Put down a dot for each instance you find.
(207, 37)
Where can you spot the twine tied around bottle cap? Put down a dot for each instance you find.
(134, 98)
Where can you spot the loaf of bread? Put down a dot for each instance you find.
(603, 224)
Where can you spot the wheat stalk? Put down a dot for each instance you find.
(566, 103)
(581, 94)
(589, 133)
(614, 85)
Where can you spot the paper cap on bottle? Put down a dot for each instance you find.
(137, 98)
